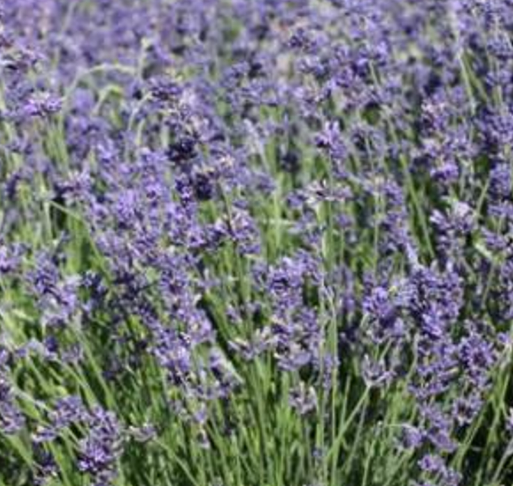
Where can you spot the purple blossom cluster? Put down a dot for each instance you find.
(219, 216)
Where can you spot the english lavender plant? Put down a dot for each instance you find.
(256, 243)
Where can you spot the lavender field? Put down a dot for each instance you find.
(256, 242)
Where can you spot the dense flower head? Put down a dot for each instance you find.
(99, 451)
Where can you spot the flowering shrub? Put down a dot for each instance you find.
(256, 243)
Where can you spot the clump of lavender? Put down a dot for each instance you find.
(256, 242)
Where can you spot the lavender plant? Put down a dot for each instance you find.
(248, 243)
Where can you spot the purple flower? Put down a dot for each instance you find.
(42, 106)
(12, 420)
(303, 399)
(101, 449)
